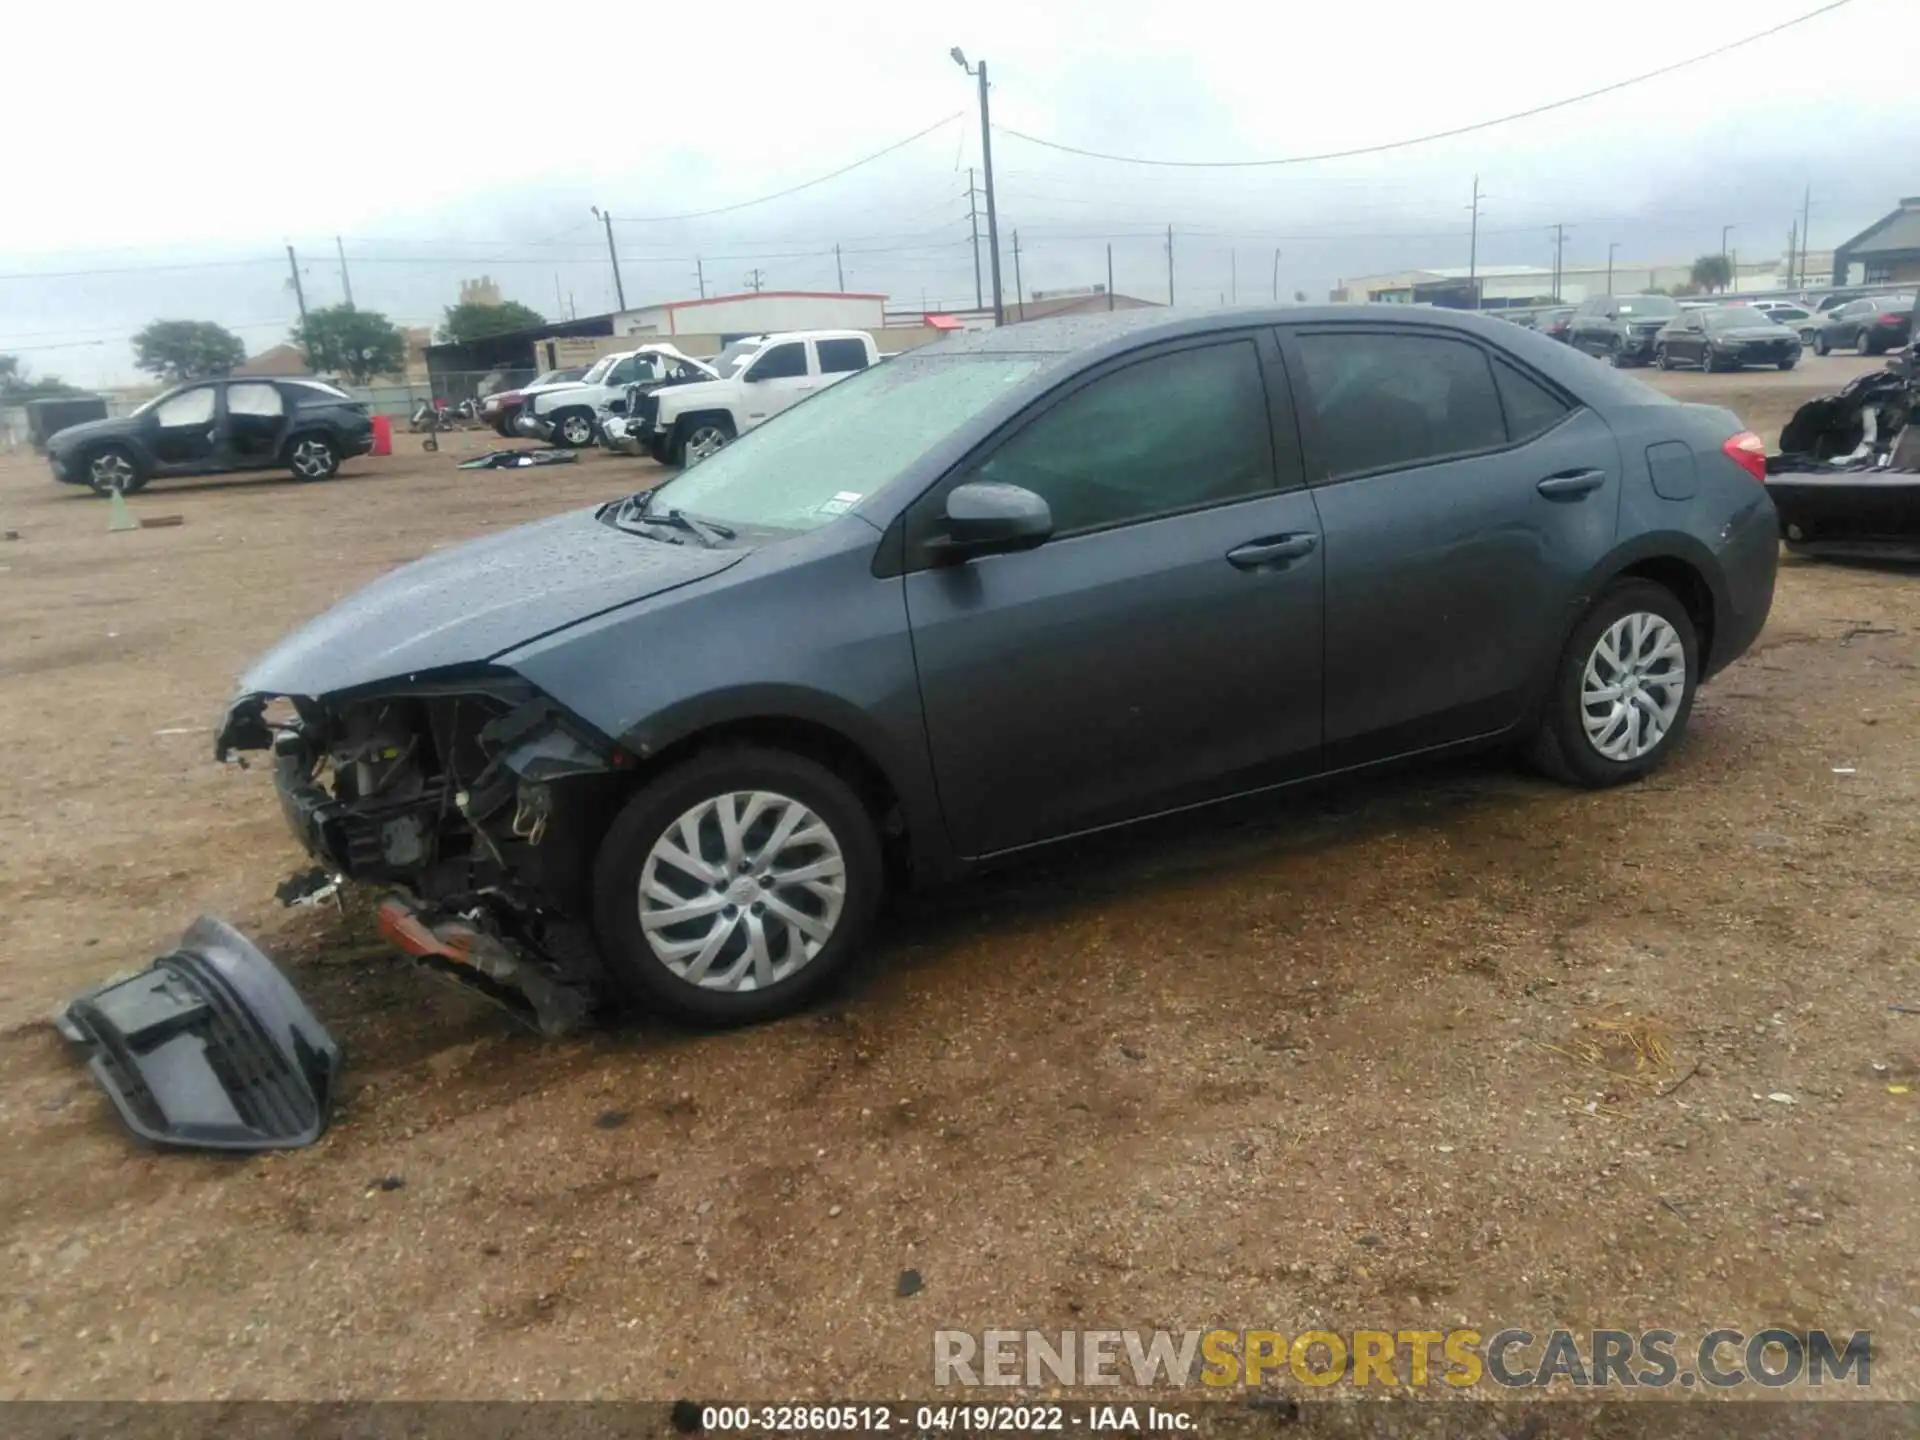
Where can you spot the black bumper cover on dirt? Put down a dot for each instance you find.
(209, 1048)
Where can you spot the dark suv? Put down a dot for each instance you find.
(1619, 329)
(209, 427)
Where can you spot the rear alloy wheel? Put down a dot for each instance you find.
(736, 886)
(574, 429)
(113, 470)
(1623, 689)
(1865, 343)
(312, 458)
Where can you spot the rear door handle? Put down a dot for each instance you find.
(1572, 484)
(1276, 550)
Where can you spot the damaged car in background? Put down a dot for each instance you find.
(572, 415)
(1847, 479)
(1010, 588)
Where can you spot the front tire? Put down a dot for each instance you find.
(1820, 345)
(1662, 358)
(573, 429)
(1789, 364)
(1616, 357)
(114, 467)
(312, 457)
(1623, 688)
(737, 886)
(699, 436)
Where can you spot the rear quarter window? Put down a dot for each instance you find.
(316, 392)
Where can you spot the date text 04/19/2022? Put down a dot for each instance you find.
(931, 1419)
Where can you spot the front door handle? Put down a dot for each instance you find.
(1276, 550)
(1572, 484)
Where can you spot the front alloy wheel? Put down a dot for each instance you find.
(742, 891)
(736, 885)
(576, 430)
(703, 441)
(111, 471)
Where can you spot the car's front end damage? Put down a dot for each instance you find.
(460, 795)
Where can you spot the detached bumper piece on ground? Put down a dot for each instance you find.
(518, 459)
(1847, 483)
(209, 1048)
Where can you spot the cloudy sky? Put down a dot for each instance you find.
(439, 144)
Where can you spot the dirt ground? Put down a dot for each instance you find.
(1450, 1047)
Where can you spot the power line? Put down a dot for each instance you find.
(138, 269)
(1831, 6)
(795, 189)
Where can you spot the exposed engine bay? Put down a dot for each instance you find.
(473, 801)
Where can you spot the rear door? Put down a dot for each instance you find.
(256, 424)
(1463, 499)
(1163, 647)
(779, 376)
(1687, 339)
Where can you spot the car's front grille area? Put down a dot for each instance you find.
(266, 1095)
(646, 410)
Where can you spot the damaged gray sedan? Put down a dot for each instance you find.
(1008, 589)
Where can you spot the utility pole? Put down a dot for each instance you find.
(973, 220)
(1612, 245)
(1109, 275)
(299, 295)
(619, 290)
(1806, 229)
(839, 273)
(1019, 291)
(1559, 245)
(755, 279)
(559, 300)
(1169, 265)
(1793, 249)
(1233, 277)
(1473, 250)
(986, 163)
(345, 283)
(700, 276)
(1723, 255)
(1276, 277)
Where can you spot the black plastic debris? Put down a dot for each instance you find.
(209, 1048)
(518, 459)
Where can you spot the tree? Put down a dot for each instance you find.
(16, 384)
(187, 349)
(358, 344)
(1712, 272)
(475, 322)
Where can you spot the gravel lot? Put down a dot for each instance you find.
(1454, 1046)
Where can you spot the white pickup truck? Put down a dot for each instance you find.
(758, 377)
(571, 415)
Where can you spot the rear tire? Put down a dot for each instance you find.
(312, 457)
(731, 910)
(114, 467)
(1593, 738)
(1865, 344)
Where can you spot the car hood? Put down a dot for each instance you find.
(113, 428)
(696, 392)
(473, 602)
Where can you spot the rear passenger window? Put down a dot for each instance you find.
(837, 357)
(261, 400)
(1531, 408)
(1386, 401)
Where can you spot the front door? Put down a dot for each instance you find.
(1163, 648)
(1464, 500)
(778, 377)
(186, 430)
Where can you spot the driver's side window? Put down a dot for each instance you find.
(189, 407)
(782, 362)
(1174, 432)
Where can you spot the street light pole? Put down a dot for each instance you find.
(986, 165)
(1612, 245)
(1724, 230)
(619, 290)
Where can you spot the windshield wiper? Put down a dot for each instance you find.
(640, 507)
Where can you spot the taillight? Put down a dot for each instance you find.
(1749, 452)
(1890, 320)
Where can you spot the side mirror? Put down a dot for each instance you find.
(983, 518)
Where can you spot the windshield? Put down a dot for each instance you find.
(735, 356)
(825, 456)
(598, 370)
(1649, 307)
(1733, 318)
